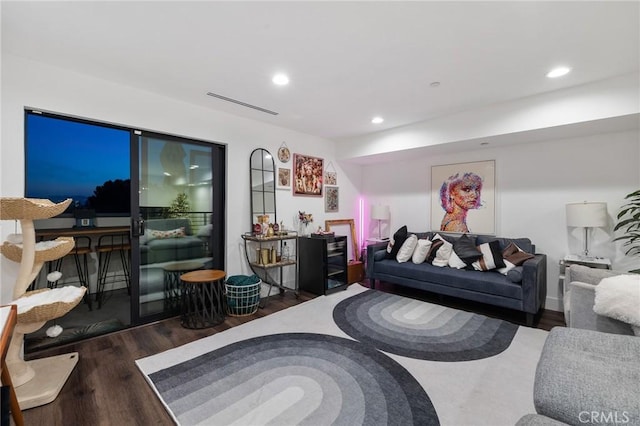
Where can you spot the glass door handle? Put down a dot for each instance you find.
(137, 227)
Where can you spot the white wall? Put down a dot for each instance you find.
(533, 184)
(30, 84)
(534, 181)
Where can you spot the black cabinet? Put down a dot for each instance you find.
(323, 263)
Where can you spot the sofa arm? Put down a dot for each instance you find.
(372, 249)
(534, 283)
(581, 301)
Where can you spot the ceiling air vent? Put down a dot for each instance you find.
(235, 101)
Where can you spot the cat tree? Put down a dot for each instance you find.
(37, 382)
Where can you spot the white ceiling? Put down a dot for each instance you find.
(347, 61)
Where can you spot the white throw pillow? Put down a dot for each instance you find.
(455, 261)
(508, 266)
(443, 254)
(421, 251)
(406, 251)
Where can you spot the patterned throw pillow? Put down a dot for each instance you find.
(491, 257)
(436, 243)
(442, 252)
(154, 234)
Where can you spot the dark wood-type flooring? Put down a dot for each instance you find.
(106, 388)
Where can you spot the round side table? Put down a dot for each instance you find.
(202, 298)
(172, 288)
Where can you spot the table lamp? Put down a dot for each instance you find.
(587, 215)
(379, 213)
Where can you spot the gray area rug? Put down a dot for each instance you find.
(298, 366)
(421, 330)
(312, 379)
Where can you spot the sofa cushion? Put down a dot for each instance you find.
(588, 275)
(482, 282)
(515, 275)
(406, 251)
(443, 252)
(524, 243)
(456, 262)
(396, 242)
(586, 371)
(170, 243)
(167, 224)
(513, 256)
(435, 245)
(491, 257)
(422, 249)
(155, 234)
(466, 249)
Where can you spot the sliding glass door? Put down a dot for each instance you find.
(178, 218)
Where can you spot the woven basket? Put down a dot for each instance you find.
(14, 252)
(50, 310)
(30, 208)
(242, 300)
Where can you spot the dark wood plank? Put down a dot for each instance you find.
(106, 388)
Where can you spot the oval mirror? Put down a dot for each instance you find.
(263, 185)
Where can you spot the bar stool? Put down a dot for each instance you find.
(80, 252)
(202, 302)
(107, 244)
(83, 248)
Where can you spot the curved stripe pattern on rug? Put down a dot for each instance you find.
(421, 330)
(294, 378)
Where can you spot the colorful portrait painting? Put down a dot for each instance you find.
(307, 172)
(463, 198)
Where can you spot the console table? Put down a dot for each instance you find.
(263, 265)
(77, 232)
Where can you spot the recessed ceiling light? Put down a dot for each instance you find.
(434, 84)
(377, 120)
(280, 79)
(558, 72)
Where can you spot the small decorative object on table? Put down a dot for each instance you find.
(304, 220)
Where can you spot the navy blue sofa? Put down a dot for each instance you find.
(523, 289)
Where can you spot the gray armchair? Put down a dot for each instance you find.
(589, 371)
(579, 301)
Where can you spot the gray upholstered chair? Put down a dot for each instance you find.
(589, 371)
(579, 299)
(586, 377)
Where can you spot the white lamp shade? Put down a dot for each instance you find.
(587, 215)
(380, 212)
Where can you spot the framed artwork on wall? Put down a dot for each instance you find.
(463, 198)
(331, 199)
(307, 172)
(284, 178)
(331, 178)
